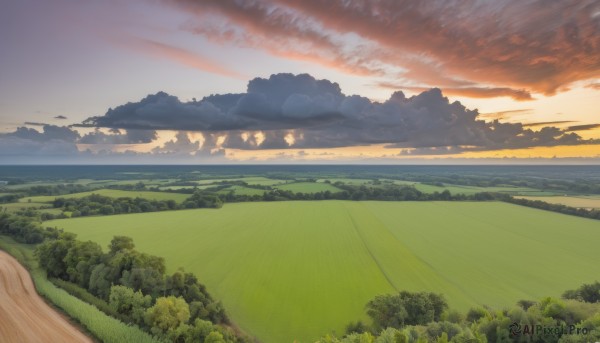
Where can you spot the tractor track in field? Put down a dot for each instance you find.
(364, 242)
(24, 315)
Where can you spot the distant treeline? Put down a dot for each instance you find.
(96, 204)
(362, 192)
(542, 205)
(214, 198)
(127, 284)
(586, 185)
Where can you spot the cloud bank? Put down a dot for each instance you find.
(287, 111)
(299, 111)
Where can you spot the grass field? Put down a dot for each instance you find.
(297, 270)
(113, 193)
(347, 181)
(251, 180)
(573, 201)
(241, 190)
(308, 187)
(458, 189)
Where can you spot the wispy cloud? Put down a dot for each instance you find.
(584, 127)
(471, 92)
(179, 55)
(484, 49)
(548, 123)
(502, 115)
(594, 86)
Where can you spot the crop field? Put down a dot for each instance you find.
(241, 190)
(347, 180)
(251, 180)
(297, 270)
(113, 193)
(573, 201)
(308, 187)
(459, 189)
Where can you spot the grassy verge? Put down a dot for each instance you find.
(101, 326)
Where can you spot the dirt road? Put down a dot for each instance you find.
(24, 316)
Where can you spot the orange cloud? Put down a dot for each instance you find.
(523, 44)
(276, 33)
(519, 47)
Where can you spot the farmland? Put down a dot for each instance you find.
(241, 190)
(296, 270)
(308, 187)
(573, 201)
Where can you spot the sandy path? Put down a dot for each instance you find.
(24, 316)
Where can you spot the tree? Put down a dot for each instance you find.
(587, 292)
(406, 308)
(51, 255)
(200, 330)
(119, 243)
(167, 314)
(81, 258)
(356, 327)
(107, 210)
(129, 303)
(147, 280)
(101, 280)
(214, 337)
(387, 311)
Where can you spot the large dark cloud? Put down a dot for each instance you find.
(48, 133)
(284, 101)
(299, 111)
(51, 141)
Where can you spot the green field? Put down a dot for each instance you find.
(347, 181)
(458, 189)
(297, 270)
(573, 201)
(308, 187)
(241, 190)
(251, 180)
(113, 193)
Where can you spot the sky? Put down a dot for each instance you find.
(299, 81)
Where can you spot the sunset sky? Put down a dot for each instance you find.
(299, 81)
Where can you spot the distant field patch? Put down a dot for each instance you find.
(581, 202)
(308, 187)
(251, 180)
(241, 190)
(113, 193)
(348, 181)
(459, 189)
(299, 269)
